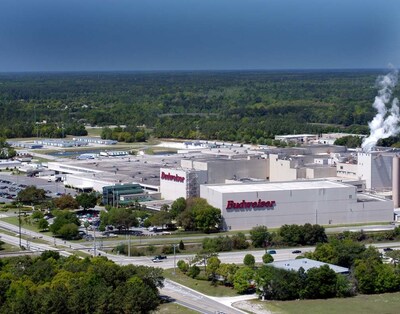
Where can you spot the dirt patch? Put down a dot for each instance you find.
(251, 307)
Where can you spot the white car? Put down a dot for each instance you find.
(156, 260)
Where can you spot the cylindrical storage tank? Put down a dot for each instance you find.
(396, 181)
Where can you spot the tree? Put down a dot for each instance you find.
(207, 218)
(43, 224)
(320, 283)
(181, 245)
(31, 195)
(227, 271)
(177, 207)
(87, 200)
(161, 218)
(193, 271)
(277, 284)
(186, 220)
(242, 279)
(182, 266)
(6, 151)
(394, 255)
(65, 218)
(339, 252)
(68, 231)
(260, 236)
(212, 266)
(249, 260)
(66, 202)
(37, 215)
(239, 241)
(121, 218)
(267, 258)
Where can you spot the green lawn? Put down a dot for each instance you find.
(14, 220)
(173, 308)
(202, 286)
(387, 303)
(9, 248)
(94, 131)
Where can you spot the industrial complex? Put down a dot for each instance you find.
(252, 185)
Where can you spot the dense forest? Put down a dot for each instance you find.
(51, 283)
(239, 106)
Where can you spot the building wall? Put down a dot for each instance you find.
(281, 170)
(87, 183)
(177, 183)
(322, 172)
(170, 189)
(322, 206)
(219, 171)
(376, 169)
(346, 170)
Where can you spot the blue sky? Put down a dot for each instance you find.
(98, 35)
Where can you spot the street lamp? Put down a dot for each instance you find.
(175, 245)
(19, 224)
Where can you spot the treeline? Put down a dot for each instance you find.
(367, 273)
(240, 106)
(20, 128)
(260, 236)
(270, 282)
(54, 284)
(128, 134)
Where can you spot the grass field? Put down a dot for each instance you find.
(387, 303)
(202, 286)
(173, 308)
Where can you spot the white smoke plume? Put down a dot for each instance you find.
(386, 121)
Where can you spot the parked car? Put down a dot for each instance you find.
(160, 257)
(296, 252)
(387, 249)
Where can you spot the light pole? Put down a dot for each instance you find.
(19, 224)
(94, 241)
(175, 245)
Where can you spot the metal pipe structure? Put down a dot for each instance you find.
(396, 181)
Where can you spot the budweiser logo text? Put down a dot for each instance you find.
(171, 177)
(255, 205)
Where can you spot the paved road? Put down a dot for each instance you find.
(183, 295)
(195, 300)
(155, 238)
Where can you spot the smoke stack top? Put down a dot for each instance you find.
(385, 123)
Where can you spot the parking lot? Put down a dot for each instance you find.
(10, 185)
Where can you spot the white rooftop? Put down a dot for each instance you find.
(276, 186)
(306, 264)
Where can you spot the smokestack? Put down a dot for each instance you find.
(396, 181)
(383, 125)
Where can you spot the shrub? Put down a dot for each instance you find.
(183, 266)
(194, 271)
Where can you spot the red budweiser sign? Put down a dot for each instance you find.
(172, 177)
(255, 205)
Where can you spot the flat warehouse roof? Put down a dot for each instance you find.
(278, 186)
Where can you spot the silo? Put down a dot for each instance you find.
(396, 181)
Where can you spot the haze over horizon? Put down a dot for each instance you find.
(162, 35)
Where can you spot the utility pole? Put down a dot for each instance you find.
(175, 245)
(19, 224)
(94, 241)
(129, 242)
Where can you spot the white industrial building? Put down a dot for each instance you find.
(186, 180)
(376, 169)
(244, 206)
(175, 183)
